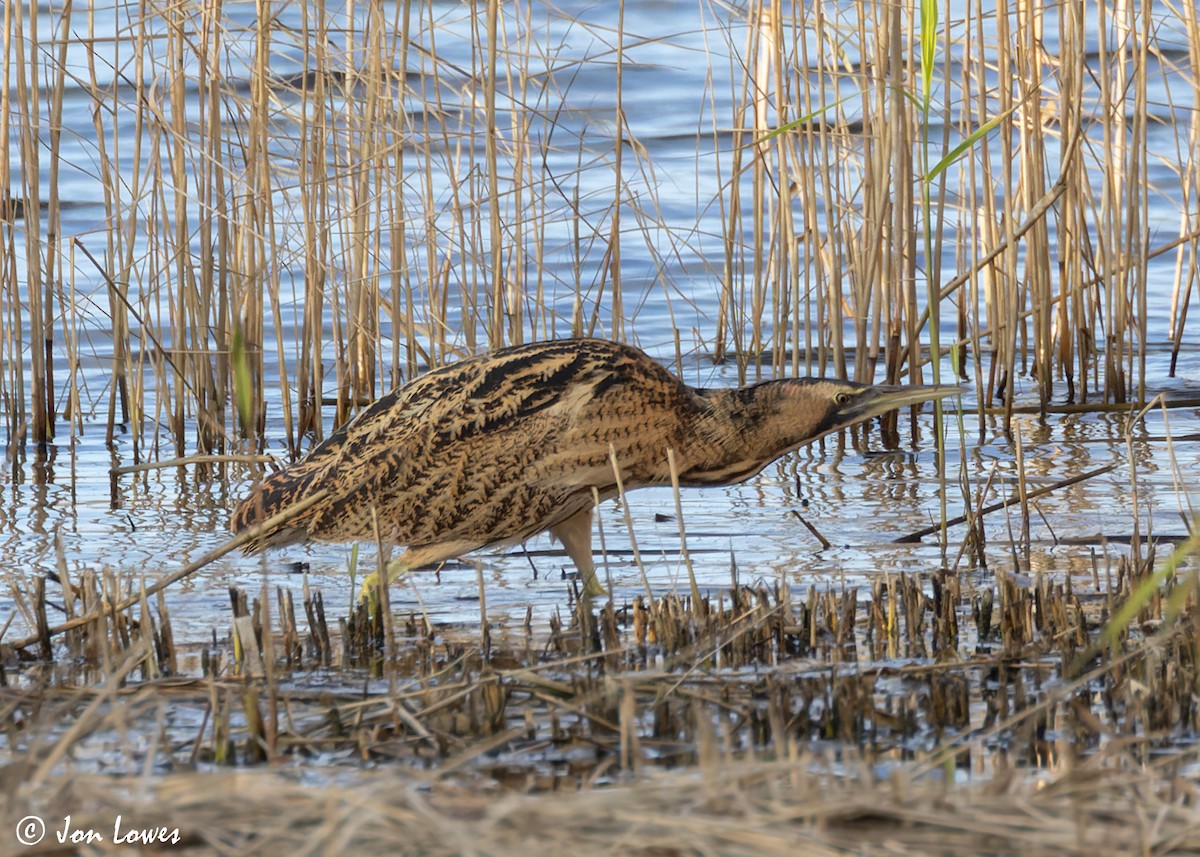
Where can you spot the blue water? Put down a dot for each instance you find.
(682, 74)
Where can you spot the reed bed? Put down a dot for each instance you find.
(905, 695)
(294, 212)
(963, 672)
(927, 714)
(275, 212)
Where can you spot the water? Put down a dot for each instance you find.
(678, 90)
(860, 501)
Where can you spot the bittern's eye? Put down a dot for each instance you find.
(841, 398)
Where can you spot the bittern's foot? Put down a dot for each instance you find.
(369, 594)
(592, 587)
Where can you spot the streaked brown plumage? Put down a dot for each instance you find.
(497, 448)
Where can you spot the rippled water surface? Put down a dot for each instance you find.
(71, 511)
(857, 494)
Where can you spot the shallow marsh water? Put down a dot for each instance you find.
(678, 87)
(860, 499)
(858, 494)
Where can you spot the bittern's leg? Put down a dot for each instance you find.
(575, 533)
(369, 593)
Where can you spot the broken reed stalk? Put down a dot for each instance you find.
(93, 713)
(190, 460)
(383, 592)
(1022, 497)
(683, 548)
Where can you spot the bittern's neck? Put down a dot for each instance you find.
(740, 431)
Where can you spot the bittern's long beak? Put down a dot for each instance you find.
(881, 399)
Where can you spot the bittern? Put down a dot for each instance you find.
(494, 449)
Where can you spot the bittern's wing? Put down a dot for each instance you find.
(492, 449)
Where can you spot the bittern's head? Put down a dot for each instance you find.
(752, 426)
(800, 410)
